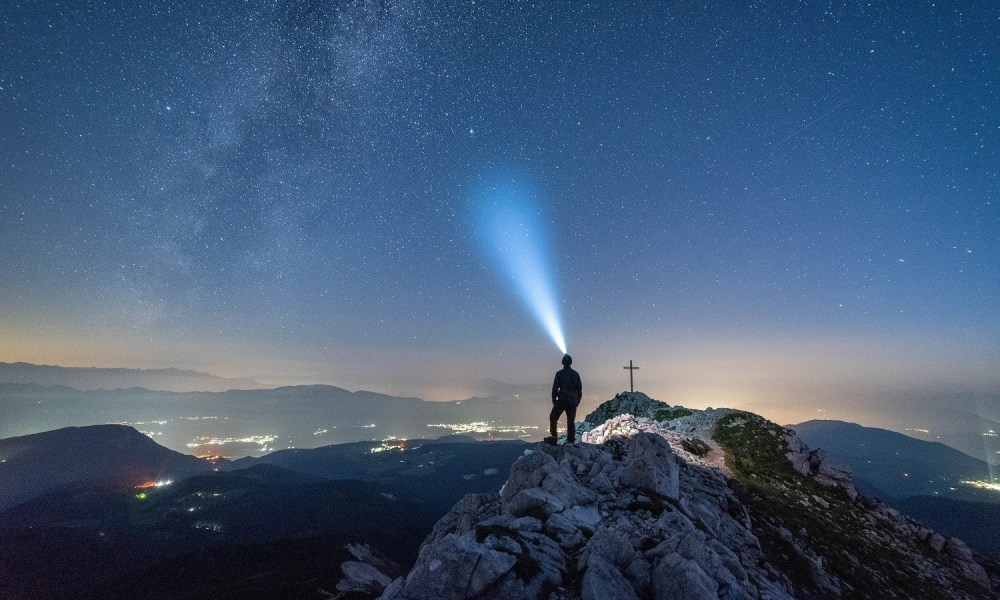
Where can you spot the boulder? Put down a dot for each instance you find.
(677, 577)
(936, 541)
(454, 568)
(533, 502)
(632, 403)
(966, 562)
(603, 581)
(361, 577)
(651, 465)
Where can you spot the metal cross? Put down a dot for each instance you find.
(630, 368)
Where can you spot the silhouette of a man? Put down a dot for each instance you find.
(567, 389)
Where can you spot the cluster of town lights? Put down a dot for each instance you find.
(483, 427)
(984, 485)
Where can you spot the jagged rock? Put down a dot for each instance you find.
(456, 567)
(651, 465)
(637, 516)
(625, 403)
(936, 542)
(610, 545)
(538, 482)
(623, 427)
(814, 463)
(603, 560)
(533, 502)
(529, 524)
(469, 511)
(368, 574)
(677, 577)
(602, 580)
(957, 549)
(563, 531)
(582, 517)
(361, 577)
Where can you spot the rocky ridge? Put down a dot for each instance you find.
(678, 503)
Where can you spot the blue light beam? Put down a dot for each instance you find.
(514, 238)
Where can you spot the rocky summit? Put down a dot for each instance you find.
(678, 503)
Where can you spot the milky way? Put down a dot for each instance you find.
(794, 192)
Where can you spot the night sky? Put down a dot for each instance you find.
(783, 205)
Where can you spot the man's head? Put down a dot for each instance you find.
(567, 360)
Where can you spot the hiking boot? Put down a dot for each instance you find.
(550, 440)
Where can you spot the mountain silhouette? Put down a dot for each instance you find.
(95, 378)
(891, 465)
(115, 454)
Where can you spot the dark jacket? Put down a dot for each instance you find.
(567, 387)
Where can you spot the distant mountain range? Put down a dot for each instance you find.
(238, 423)
(94, 378)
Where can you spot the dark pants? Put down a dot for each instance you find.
(557, 410)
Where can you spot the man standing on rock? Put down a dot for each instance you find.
(567, 389)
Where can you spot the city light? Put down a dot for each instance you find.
(483, 427)
(213, 441)
(387, 446)
(984, 485)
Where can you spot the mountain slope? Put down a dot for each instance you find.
(976, 523)
(456, 468)
(923, 479)
(34, 464)
(897, 465)
(231, 533)
(700, 504)
(111, 542)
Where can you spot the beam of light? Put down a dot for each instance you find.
(510, 228)
(988, 436)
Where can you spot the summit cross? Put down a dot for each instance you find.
(631, 369)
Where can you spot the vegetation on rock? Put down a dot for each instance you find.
(696, 446)
(807, 528)
(669, 414)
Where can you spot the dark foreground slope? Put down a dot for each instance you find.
(222, 535)
(261, 531)
(455, 468)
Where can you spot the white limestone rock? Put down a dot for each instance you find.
(634, 515)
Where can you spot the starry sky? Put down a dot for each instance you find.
(784, 205)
